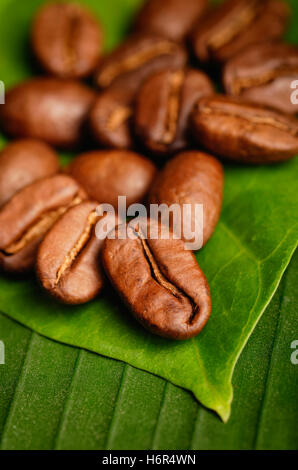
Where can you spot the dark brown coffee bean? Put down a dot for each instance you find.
(111, 115)
(163, 108)
(49, 109)
(107, 174)
(27, 217)
(237, 23)
(245, 132)
(192, 178)
(68, 262)
(67, 40)
(172, 19)
(139, 57)
(21, 163)
(159, 281)
(263, 74)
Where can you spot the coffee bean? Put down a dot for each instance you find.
(67, 40)
(111, 115)
(68, 261)
(21, 163)
(49, 109)
(236, 24)
(245, 132)
(159, 281)
(163, 108)
(139, 57)
(27, 217)
(263, 74)
(172, 19)
(105, 175)
(192, 178)
(121, 74)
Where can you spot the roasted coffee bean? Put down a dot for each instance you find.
(236, 24)
(192, 178)
(107, 174)
(137, 58)
(159, 281)
(172, 19)
(263, 74)
(122, 73)
(49, 109)
(111, 115)
(28, 216)
(68, 262)
(245, 132)
(21, 163)
(67, 40)
(163, 107)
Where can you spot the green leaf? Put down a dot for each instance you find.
(264, 411)
(54, 396)
(244, 263)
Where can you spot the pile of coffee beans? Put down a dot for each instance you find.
(142, 121)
